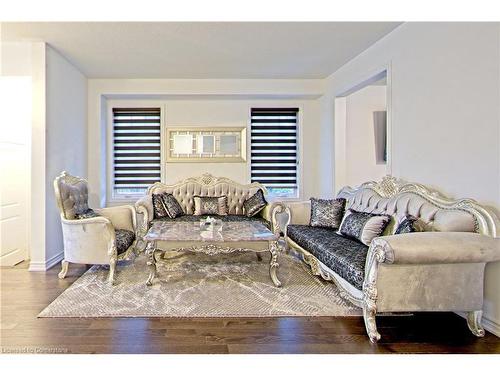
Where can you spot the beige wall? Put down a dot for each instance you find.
(361, 164)
(445, 112)
(207, 103)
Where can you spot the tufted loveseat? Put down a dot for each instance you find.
(439, 269)
(206, 186)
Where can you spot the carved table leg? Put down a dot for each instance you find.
(151, 263)
(474, 322)
(273, 265)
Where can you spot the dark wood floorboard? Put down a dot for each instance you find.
(24, 294)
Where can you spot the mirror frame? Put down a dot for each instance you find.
(215, 157)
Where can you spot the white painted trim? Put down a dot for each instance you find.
(488, 324)
(49, 263)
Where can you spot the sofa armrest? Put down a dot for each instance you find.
(122, 217)
(145, 213)
(436, 248)
(89, 240)
(270, 213)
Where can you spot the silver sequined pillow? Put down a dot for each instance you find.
(255, 203)
(172, 207)
(210, 205)
(363, 226)
(327, 213)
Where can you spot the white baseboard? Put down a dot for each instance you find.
(491, 326)
(488, 324)
(49, 263)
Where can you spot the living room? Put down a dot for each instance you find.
(148, 161)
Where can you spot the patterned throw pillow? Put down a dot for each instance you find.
(363, 226)
(159, 209)
(210, 205)
(410, 224)
(87, 214)
(172, 207)
(255, 203)
(327, 213)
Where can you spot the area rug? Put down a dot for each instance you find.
(198, 285)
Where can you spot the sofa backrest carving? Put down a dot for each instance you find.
(71, 195)
(398, 198)
(208, 186)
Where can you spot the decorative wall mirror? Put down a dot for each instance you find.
(211, 145)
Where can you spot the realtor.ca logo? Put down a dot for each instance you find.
(34, 350)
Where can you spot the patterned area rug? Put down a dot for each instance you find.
(197, 285)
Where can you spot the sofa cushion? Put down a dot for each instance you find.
(410, 224)
(363, 226)
(225, 218)
(327, 213)
(124, 239)
(159, 210)
(344, 256)
(210, 205)
(255, 203)
(172, 207)
(86, 214)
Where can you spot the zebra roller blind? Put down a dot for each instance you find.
(136, 149)
(274, 149)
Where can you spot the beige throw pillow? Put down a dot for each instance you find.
(363, 226)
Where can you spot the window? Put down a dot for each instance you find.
(274, 149)
(136, 150)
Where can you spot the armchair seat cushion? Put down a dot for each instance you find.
(224, 218)
(124, 239)
(344, 256)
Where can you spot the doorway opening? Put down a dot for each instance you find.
(362, 132)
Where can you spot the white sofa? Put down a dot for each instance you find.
(206, 185)
(441, 269)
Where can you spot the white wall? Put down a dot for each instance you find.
(66, 137)
(445, 112)
(206, 103)
(58, 138)
(360, 159)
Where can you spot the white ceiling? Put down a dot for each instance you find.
(204, 49)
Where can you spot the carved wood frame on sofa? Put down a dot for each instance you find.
(440, 270)
(205, 185)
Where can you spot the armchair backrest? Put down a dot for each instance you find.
(71, 195)
(399, 198)
(208, 186)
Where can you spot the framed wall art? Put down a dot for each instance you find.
(210, 145)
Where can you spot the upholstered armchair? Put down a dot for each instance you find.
(101, 236)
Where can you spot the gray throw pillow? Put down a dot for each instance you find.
(327, 213)
(171, 206)
(363, 226)
(210, 205)
(255, 203)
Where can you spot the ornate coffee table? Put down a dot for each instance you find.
(189, 237)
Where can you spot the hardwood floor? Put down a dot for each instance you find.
(24, 294)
